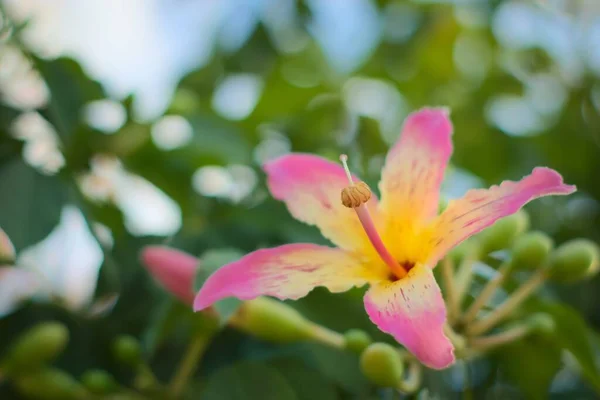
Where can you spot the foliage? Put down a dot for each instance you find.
(303, 106)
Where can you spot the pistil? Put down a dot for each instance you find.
(356, 196)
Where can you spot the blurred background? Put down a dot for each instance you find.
(128, 123)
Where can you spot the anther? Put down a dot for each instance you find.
(355, 195)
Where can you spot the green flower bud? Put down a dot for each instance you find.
(36, 347)
(50, 384)
(541, 323)
(99, 382)
(356, 340)
(502, 234)
(382, 364)
(127, 350)
(7, 250)
(574, 260)
(531, 250)
(272, 320)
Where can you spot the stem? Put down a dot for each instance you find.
(487, 292)
(464, 277)
(489, 342)
(522, 293)
(188, 364)
(451, 289)
(414, 376)
(326, 336)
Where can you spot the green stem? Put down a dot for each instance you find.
(505, 309)
(326, 336)
(413, 379)
(482, 344)
(188, 364)
(486, 294)
(451, 289)
(464, 276)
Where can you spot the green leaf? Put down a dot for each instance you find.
(573, 334)
(30, 206)
(341, 367)
(248, 381)
(531, 365)
(307, 383)
(70, 90)
(211, 261)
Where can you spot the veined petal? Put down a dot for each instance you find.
(412, 310)
(285, 272)
(480, 208)
(414, 167)
(311, 188)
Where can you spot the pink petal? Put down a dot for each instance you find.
(285, 272)
(412, 310)
(414, 167)
(311, 188)
(480, 208)
(173, 269)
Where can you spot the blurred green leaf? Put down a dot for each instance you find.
(306, 382)
(248, 380)
(31, 204)
(573, 334)
(70, 90)
(530, 364)
(339, 366)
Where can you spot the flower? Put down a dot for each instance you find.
(392, 244)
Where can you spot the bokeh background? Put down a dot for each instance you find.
(127, 123)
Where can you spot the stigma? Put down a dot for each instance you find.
(356, 196)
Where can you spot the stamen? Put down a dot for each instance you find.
(356, 196)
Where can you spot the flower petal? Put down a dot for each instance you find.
(311, 188)
(412, 310)
(173, 269)
(480, 208)
(414, 167)
(285, 272)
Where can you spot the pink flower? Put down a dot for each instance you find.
(173, 269)
(392, 244)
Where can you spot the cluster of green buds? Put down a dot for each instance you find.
(524, 253)
(28, 367)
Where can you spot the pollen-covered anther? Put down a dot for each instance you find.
(355, 195)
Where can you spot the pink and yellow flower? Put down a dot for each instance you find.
(391, 244)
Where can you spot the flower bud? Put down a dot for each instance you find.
(50, 384)
(36, 347)
(574, 260)
(271, 320)
(99, 382)
(541, 323)
(126, 349)
(7, 250)
(531, 250)
(502, 234)
(382, 364)
(356, 340)
(173, 269)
